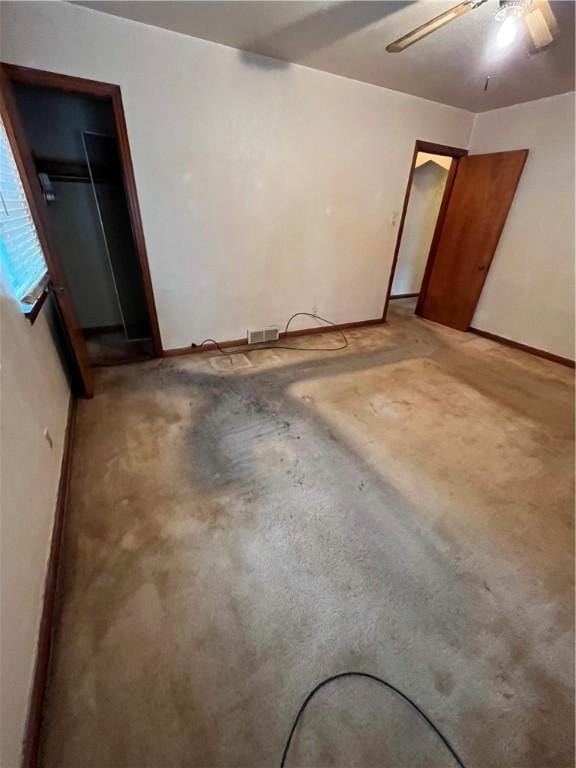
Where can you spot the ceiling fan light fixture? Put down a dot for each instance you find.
(511, 9)
(507, 32)
(535, 15)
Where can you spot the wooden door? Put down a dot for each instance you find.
(83, 373)
(468, 235)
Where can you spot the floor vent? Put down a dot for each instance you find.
(262, 335)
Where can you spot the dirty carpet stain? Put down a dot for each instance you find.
(236, 533)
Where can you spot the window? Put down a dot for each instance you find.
(22, 262)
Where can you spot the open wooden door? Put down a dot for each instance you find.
(468, 235)
(31, 185)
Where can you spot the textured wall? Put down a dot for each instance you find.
(529, 292)
(34, 396)
(266, 188)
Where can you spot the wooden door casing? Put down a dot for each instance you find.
(31, 186)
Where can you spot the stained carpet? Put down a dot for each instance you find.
(240, 528)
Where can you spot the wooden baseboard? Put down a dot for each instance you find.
(332, 328)
(30, 753)
(524, 347)
(177, 351)
(405, 296)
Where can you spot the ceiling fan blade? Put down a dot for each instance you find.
(431, 26)
(541, 24)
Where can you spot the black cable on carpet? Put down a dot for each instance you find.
(255, 347)
(413, 704)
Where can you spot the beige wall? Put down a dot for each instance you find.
(33, 397)
(529, 291)
(265, 188)
(428, 185)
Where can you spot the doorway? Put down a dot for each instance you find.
(477, 195)
(70, 144)
(430, 180)
(428, 184)
(74, 146)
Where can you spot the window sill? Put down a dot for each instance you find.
(34, 310)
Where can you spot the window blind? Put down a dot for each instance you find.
(21, 256)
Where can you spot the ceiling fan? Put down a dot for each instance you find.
(536, 15)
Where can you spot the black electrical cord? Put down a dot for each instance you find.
(406, 698)
(256, 347)
(315, 349)
(211, 341)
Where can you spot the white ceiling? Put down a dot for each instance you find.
(349, 39)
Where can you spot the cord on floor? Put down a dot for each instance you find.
(386, 684)
(256, 347)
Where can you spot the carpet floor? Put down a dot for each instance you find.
(241, 527)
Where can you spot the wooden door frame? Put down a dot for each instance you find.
(434, 149)
(82, 379)
(107, 92)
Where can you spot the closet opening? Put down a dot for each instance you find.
(74, 146)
